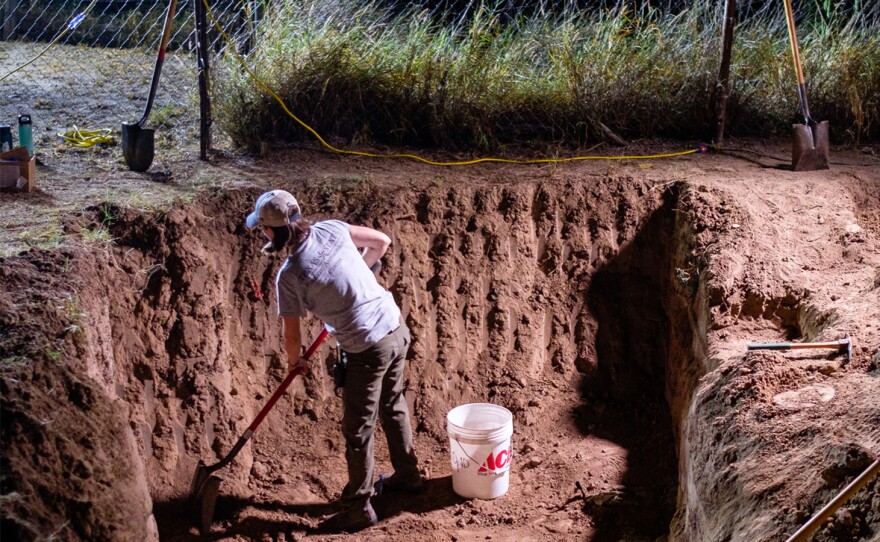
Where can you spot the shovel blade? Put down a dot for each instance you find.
(204, 490)
(208, 502)
(810, 147)
(138, 146)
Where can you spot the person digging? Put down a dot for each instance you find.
(325, 274)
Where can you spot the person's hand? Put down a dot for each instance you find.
(299, 363)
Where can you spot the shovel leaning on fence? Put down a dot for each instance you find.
(138, 143)
(810, 145)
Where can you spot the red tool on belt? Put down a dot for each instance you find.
(257, 292)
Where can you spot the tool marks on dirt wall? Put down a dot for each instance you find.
(524, 316)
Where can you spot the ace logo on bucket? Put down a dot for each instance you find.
(495, 463)
(496, 459)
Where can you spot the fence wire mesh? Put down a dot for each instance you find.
(89, 63)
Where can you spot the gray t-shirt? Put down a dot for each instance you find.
(327, 276)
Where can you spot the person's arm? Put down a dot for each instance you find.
(374, 241)
(293, 342)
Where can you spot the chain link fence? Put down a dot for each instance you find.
(89, 64)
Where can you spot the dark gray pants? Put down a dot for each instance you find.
(374, 387)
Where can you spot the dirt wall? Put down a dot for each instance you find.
(609, 315)
(71, 469)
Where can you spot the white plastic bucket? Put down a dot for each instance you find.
(479, 446)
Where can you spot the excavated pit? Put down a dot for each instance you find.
(558, 304)
(580, 306)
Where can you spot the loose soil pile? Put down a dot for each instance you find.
(608, 308)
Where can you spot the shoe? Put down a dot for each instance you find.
(350, 520)
(396, 484)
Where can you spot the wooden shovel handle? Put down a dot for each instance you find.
(798, 346)
(803, 534)
(795, 51)
(795, 346)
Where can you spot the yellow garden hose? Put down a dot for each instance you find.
(87, 138)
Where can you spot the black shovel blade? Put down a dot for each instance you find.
(204, 490)
(208, 502)
(137, 146)
(810, 147)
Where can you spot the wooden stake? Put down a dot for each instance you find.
(722, 87)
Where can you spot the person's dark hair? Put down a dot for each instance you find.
(280, 237)
(299, 230)
(292, 234)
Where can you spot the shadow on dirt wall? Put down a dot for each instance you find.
(624, 393)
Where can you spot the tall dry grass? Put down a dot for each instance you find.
(360, 74)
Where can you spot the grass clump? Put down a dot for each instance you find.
(46, 236)
(359, 73)
(99, 236)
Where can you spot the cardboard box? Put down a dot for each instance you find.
(18, 170)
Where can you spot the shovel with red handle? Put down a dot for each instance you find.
(138, 143)
(205, 485)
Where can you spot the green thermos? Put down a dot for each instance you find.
(26, 133)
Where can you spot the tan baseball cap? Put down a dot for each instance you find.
(274, 209)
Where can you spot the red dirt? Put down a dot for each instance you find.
(608, 306)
